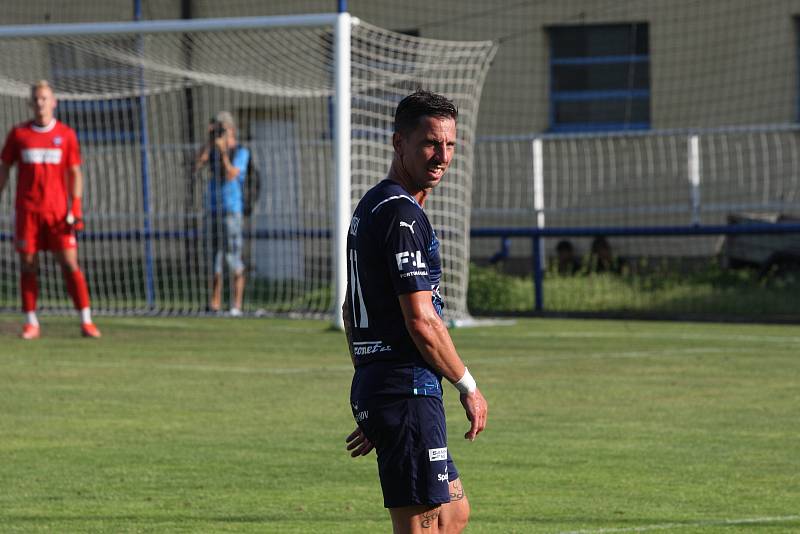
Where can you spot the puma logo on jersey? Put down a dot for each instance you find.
(409, 226)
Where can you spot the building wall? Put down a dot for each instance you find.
(713, 62)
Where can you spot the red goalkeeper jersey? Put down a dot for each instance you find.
(43, 155)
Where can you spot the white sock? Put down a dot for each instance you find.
(86, 315)
(30, 318)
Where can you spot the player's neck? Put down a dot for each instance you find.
(44, 122)
(398, 176)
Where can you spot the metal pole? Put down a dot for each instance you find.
(165, 26)
(144, 142)
(191, 219)
(538, 206)
(538, 274)
(342, 155)
(694, 177)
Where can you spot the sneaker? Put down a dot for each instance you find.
(235, 312)
(89, 330)
(29, 331)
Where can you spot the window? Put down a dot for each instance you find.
(599, 77)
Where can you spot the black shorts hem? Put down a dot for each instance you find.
(436, 503)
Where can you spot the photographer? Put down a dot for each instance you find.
(227, 163)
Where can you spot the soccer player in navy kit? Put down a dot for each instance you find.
(399, 344)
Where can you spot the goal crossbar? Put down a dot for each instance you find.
(168, 26)
(313, 97)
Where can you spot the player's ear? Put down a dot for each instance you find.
(397, 143)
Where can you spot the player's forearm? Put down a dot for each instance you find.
(431, 337)
(76, 182)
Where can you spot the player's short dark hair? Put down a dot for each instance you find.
(420, 104)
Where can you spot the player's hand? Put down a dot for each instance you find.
(477, 411)
(358, 444)
(74, 222)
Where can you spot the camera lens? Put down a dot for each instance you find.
(217, 131)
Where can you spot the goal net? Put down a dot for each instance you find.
(656, 133)
(141, 96)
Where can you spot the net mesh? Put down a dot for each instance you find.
(669, 178)
(141, 105)
(722, 71)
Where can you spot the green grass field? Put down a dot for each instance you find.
(220, 425)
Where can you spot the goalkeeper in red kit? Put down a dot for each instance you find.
(48, 204)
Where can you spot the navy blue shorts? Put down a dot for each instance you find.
(410, 438)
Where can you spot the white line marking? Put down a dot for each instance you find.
(670, 526)
(734, 338)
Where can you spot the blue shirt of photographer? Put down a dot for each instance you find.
(226, 196)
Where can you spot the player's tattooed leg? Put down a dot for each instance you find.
(456, 490)
(430, 517)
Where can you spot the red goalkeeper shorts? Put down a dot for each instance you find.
(37, 231)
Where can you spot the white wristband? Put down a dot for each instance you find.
(466, 384)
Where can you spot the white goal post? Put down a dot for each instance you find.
(313, 99)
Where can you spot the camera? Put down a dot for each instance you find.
(217, 131)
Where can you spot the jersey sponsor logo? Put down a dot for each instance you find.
(436, 455)
(404, 224)
(41, 155)
(444, 477)
(365, 348)
(414, 273)
(414, 259)
(354, 226)
(359, 415)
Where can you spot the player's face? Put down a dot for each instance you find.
(426, 153)
(43, 103)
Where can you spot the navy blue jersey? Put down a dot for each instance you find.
(392, 250)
